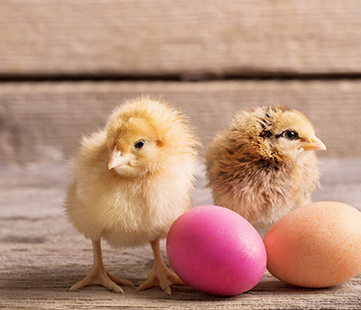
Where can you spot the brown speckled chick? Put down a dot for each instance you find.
(263, 166)
(131, 181)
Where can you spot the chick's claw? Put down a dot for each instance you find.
(163, 277)
(99, 275)
(102, 277)
(118, 280)
(160, 274)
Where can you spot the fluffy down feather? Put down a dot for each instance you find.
(263, 165)
(149, 180)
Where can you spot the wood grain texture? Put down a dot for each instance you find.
(182, 38)
(44, 121)
(41, 255)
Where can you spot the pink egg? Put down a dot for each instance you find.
(216, 251)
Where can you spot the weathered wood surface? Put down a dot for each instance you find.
(41, 255)
(180, 38)
(44, 121)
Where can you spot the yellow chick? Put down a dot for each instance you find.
(131, 181)
(263, 165)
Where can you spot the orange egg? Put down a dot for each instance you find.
(318, 245)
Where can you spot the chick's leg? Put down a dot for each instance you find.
(99, 275)
(160, 274)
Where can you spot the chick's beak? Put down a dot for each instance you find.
(314, 145)
(116, 159)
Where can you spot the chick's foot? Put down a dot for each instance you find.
(160, 274)
(99, 275)
(103, 277)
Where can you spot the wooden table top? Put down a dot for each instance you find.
(41, 255)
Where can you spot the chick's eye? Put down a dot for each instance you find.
(139, 144)
(290, 135)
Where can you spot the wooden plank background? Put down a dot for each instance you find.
(44, 121)
(233, 43)
(181, 38)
